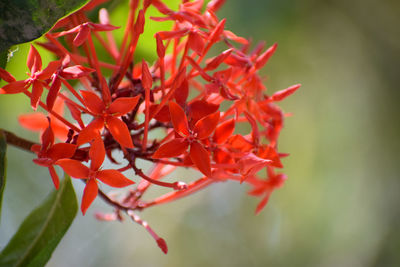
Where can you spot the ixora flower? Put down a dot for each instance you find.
(186, 109)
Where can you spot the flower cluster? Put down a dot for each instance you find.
(197, 101)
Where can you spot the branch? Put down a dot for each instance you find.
(17, 141)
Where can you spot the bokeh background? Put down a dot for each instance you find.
(340, 205)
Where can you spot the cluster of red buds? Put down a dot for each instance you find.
(181, 111)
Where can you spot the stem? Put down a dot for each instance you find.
(57, 116)
(17, 141)
(108, 200)
(174, 185)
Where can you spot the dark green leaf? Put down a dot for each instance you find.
(25, 20)
(3, 165)
(42, 230)
(3, 58)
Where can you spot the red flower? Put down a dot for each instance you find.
(37, 77)
(83, 30)
(180, 95)
(266, 187)
(189, 137)
(77, 170)
(48, 153)
(107, 116)
(64, 73)
(38, 121)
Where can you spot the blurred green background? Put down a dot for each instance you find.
(340, 205)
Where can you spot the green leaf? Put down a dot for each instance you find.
(3, 58)
(3, 165)
(25, 20)
(42, 230)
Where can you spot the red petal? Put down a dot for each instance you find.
(14, 87)
(147, 79)
(262, 203)
(250, 164)
(90, 132)
(160, 46)
(255, 134)
(75, 113)
(201, 108)
(113, 178)
(119, 131)
(196, 43)
(97, 153)
(59, 129)
(234, 37)
(47, 137)
(164, 35)
(179, 78)
(237, 61)
(199, 69)
(161, 7)
(76, 72)
(179, 119)
(34, 62)
(5, 75)
(205, 126)
(280, 95)
(59, 106)
(54, 177)
(61, 151)
(224, 131)
(74, 168)
(93, 102)
(123, 105)
(35, 121)
(49, 70)
(37, 90)
(44, 162)
(82, 35)
(102, 27)
(271, 154)
(139, 25)
(53, 92)
(163, 115)
(263, 59)
(200, 158)
(216, 61)
(89, 194)
(171, 149)
(181, 94)
(36, 148)
(73, 30)
(238, 142)
(214, 5)
(217, 32)
(221, 156)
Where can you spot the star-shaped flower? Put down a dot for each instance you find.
(93, 173)
(189, 137)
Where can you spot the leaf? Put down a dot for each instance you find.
(3, 165)
(3, 58)
(42, 230)
(35, 18)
